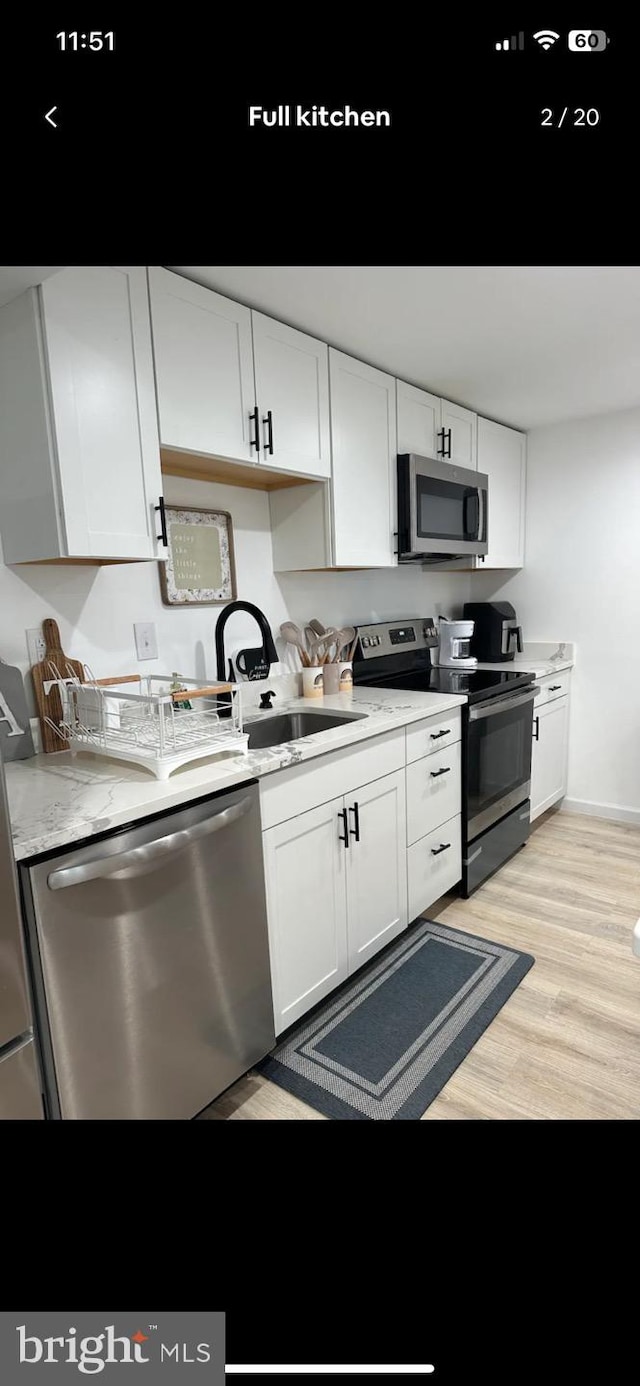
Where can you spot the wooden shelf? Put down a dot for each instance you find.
(200, 467)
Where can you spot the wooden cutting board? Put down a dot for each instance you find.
(50, 705)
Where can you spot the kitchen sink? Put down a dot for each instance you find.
(289, 726)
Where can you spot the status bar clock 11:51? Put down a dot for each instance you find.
(96, 40)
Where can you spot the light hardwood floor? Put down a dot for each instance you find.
(567, 1043)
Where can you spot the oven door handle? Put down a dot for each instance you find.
(502, 705)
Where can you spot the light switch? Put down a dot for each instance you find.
(146, 640)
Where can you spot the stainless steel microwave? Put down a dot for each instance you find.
(442, 510)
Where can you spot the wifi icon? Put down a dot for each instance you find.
(546, 38)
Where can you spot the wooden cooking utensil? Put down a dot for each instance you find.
(50, 704)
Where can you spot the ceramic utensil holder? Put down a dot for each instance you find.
(345, 676)
(312, 686)
(331, 677)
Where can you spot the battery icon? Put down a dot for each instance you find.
(587, 40)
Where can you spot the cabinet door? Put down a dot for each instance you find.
(305, 868)
(292, 384)
(418, 420)
(502, 455)
(363, 435)
(98, 346)
(549, 755)
(464, 430)
(204, 368)
(376, 869)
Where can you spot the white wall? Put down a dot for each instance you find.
(582, 582)
(96, 607)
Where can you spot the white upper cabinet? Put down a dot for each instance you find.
(433, 427)
(418, 421)
(79, 454)
(460, 442)
(204, 369)
(502, 454)
(364, 440)
(292, 393)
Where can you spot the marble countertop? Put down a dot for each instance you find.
(541, 658)
(59, 799)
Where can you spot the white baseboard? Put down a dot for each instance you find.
(615, 812)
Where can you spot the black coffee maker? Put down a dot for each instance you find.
(496, 635)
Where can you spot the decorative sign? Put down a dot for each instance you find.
(200, 568)
(15, 731)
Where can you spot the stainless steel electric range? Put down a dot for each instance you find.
(497, 728)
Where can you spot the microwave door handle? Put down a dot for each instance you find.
(470, 530)
(139, 860)
(482, 507)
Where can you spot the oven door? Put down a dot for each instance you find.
(442, 509)
(498, 758)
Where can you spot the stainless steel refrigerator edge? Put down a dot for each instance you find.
(151, 962)
(20, 1095)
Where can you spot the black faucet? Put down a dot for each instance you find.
(268, 648)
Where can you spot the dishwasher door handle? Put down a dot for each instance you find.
(139, 860)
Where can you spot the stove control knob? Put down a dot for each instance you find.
(365, 642)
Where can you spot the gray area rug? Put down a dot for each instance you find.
(384, 1045)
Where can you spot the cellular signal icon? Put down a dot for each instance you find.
(516, 41)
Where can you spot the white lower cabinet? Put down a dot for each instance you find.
(305, 869)
(433, 791)
(549, 753)
(434, 866)
(332, 904)
(376, 867)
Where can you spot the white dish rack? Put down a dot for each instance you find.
(157, 726)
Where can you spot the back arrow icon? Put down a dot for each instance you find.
(49, 115)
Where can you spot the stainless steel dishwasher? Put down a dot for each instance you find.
(150, 957)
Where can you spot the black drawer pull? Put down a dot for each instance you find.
(268, 446)
(555, 687)
(444, 846)
(435, 736)
(445, 771)
(253, 418)
(441, 451)
(536, 723)
(355, 832)
(163, 523)
(342, 813)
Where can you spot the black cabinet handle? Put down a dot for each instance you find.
(253, 418)
(435, 736)
(342, 813)
(554, 687)
(444, 847)
(445, 771)
(163, 523)
(268, 446)
(441, 450)
(448, 453)
(355, 831)
(536, 725)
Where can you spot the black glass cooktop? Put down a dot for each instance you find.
(475, 684)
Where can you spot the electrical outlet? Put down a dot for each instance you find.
(36, 645)
(146, 640)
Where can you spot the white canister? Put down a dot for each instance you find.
(312, 686)
(331, 677)
(345, 676)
